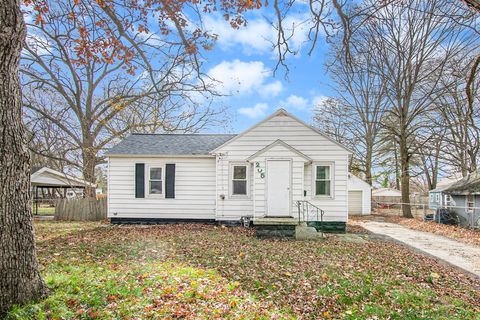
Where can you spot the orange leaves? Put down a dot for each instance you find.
(103, 38)
(143, 29)
(40, 7)
(39, 19)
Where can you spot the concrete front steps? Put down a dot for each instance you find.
(304, 232)
(285, 228)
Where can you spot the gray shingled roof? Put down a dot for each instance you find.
(467, 185)
(169, 144)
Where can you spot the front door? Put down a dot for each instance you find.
(278, 188)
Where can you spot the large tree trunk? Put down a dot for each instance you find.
(397, 173)
(405, 177)
(88, 170)
(20, 279)
(368, 164)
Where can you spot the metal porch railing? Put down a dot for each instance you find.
(308, 212)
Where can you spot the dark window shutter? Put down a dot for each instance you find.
(170, 181)
(139, 180)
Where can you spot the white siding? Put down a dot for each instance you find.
(260, 186)
(194, 190)
(303, 139)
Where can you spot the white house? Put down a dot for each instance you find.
(359, 196)
(273, 170)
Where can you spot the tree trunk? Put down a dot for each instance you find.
(368, 164)
(20, 280)
(397, 173)
(405, 178)
(88, 170)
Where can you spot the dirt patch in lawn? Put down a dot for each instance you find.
(204, 272)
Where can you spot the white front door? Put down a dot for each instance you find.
(278, 188)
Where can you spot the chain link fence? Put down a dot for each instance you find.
(468, 217)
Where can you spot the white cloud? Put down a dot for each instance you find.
(318, 100)
(296, 102)
(272, 89)
(39, 44)
(257, 111)
(240, 77)
(258, 36)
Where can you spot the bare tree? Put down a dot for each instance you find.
(413, 40)
(460, 117)
(20, 279)
(360, 105)
(93, 103)
(431, 147)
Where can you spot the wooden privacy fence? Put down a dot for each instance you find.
(87, 209)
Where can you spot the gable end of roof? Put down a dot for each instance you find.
(279, 112)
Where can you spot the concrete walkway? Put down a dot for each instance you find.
(458, 254)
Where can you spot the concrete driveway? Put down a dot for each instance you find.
(458, 254)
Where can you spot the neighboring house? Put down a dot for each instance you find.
(437, 198)
(386, 196)
(359, 196)
(258, 174)
(465, 199)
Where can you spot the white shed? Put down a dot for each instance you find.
(359, 196)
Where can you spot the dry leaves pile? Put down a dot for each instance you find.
(206, 272)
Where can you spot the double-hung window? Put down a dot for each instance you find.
(448, 201)
(470, 202)
(323, 180)
(239, 180)
(155, 180)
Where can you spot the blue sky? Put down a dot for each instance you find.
(243, 61)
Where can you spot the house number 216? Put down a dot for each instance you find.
(260, 170)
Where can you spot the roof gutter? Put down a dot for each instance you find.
(159, 156)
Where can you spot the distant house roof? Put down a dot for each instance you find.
(468, 185)
(445, 183)
(169, 144)
(386, 192)
(46, 177)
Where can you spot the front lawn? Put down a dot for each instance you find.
(191, 271)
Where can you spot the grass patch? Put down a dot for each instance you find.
(99, 271)
(44, 210)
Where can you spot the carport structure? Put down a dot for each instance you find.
(44, 178)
